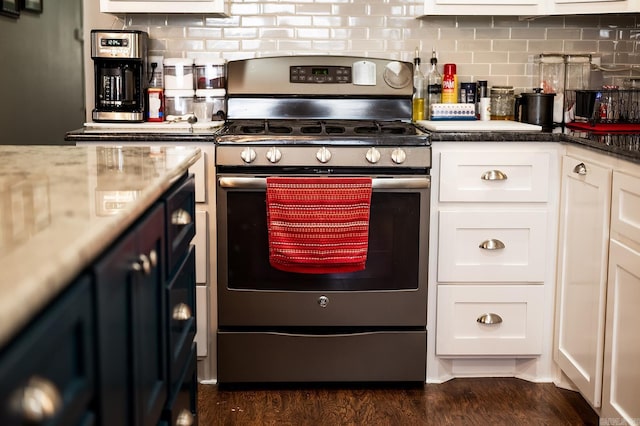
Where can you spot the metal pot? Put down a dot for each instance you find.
(535, 108)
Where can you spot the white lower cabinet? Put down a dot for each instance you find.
(473, 318)
(582, 273)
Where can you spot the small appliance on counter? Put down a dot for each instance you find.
(535, 108)
(120, 62)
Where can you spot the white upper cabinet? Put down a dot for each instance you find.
(528, 7)
(568, 7)
(159, 6)
(483, 7)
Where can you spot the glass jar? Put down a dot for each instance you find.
(210, 104)
(210, 73)
(178, 74)
(502, 103)
(178, 102)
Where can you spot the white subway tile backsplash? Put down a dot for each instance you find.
(497, 48)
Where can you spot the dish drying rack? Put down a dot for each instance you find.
(605, 109)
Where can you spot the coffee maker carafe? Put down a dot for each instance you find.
(120, 59)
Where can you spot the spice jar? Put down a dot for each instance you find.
(502, 103)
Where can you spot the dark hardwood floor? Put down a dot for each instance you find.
(494, 401)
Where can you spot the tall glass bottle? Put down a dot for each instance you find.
(418, 103)
(434, 85)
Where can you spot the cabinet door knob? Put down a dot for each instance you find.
(489, 319)
(180, 217)
(181, 312)
(493, 175)
(580, 169)
(38, 401)
(145, 263)
(185, 418)
(492, 244)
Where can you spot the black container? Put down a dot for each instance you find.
(535, 108)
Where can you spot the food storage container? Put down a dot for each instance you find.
(210, 104)
(178, 102)
(210, 73)
(178, 74)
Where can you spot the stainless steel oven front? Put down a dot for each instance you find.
(368, 325)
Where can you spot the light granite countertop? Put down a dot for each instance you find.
(62, 206)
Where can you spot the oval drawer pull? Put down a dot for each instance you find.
(181, 312)
(180, 217)
(580, 169)
(493, 175)
(489, 319)
(185, 418)
(492, 244)
(38, 401)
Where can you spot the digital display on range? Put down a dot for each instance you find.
(320, 74)
(114, 42)
(320, 71)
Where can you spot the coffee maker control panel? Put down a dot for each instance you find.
(118, 44)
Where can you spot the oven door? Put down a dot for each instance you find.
(391, 291)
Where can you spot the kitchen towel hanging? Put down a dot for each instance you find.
(318, 225)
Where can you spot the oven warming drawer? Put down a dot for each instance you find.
(378, 356)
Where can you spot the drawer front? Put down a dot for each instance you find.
(181, 228)
(492, 246)
(202, 248)
(182, 316)
(30, 363)
(199, 171)
(499, 176)
(202, 320)
(489, 320)
(625, 207)
(181, 408)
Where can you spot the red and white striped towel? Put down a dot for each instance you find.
(318, 225)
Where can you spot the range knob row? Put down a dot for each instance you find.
(323, 155)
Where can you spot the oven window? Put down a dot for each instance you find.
(392, 261)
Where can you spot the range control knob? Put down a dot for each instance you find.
(372, 155)
(248, 155)
(323, 155)
(398, 156)
(273, 154)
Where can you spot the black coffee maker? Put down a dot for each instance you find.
(120, 62)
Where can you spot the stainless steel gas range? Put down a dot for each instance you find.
(324, 119)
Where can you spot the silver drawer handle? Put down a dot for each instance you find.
(493, 175)
(180, 217)
(580, 169)
(38, 401)
(181, 312)
(492, 244)
(185, 418)
(489, 319)
(145, 263)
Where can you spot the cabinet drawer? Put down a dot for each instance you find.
(517, 313)
(182, 405)
(625, 206)
(182, 317)
(55, 352)
(181, 228)
(202, 320)
(498, 176)
(202, 247)
(462, 233)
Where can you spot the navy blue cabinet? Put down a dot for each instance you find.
(47, 374)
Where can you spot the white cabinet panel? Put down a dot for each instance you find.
(582, 276)
(202, 320)
(518, 331)
(483, 7)
(200, 241)
(200, 172)
(522, 232)
(625, 206)
(621, 399)
(499, 176)
(159, 6)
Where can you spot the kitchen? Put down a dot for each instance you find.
(495, 48)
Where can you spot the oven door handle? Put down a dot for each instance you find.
(376, 183)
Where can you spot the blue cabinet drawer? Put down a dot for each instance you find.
(181, 226)
(181, 407)
(52, 363)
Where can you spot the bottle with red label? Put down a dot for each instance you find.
(449, 84)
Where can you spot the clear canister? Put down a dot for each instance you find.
(210, 104)
(210, 73)
(502, 103)
(178, 74)
(178, 102)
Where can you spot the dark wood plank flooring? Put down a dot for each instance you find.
(486, 401)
